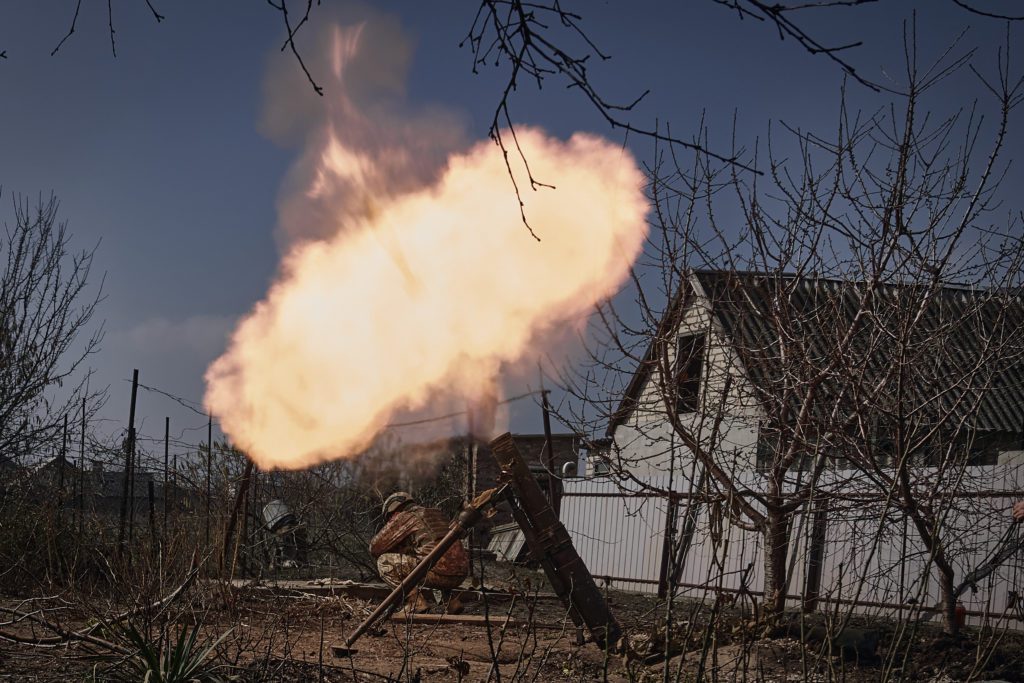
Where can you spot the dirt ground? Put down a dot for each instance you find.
(287, 636)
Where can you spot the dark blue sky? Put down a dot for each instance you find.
(157, 155)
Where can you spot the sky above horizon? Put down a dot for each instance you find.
(160, 160)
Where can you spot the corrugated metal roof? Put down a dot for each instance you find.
(960, 349)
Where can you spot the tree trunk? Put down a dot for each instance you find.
(950, 623)
(930, 539)
(230, 550)
(776, 547)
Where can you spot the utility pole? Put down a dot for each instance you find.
(81, 471)
(549, 454)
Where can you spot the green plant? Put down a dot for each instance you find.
(168, 659)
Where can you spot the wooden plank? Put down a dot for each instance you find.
(472, 620)
(376, 591)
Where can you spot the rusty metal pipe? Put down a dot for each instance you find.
(466, 520)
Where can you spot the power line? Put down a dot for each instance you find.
(439, 418)
(195, 406)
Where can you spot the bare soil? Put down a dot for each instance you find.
(289, 637)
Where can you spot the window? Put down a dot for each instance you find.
(983, 447)
(883, 451)
(772, 444)
(689, 364)
(765, 451)
(975, 448)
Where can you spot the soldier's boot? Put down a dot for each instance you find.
(416, 603)
(452, 603)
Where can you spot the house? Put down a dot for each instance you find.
(737, 353)
(104, 490)
(775, 376)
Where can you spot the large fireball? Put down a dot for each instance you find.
(424, 292)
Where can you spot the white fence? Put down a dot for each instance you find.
(852, 556)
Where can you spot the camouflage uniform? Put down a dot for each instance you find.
(409, 535)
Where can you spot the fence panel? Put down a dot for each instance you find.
(617, 530)
(872, 559)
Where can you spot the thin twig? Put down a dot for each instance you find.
(74, 20)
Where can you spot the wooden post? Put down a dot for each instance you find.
(133, 454)
(665, 573)
(60, 468)
(209, 472)
(903, 569)
(129, 464)
(469, 493)
(152, 516)
(167, 441)
(243, 534)
(175, 484)
(257, 518)
(81, 471)
(230, 549)
(471, 456)
(689, 527)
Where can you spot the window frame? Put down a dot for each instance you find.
(688, 380)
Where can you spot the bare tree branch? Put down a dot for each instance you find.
(992, 15)
(71, 29)
(290, 40)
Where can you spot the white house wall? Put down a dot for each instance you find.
(643, 443)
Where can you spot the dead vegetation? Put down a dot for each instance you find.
(77, 605)
(214, 631)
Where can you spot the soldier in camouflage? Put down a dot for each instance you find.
(409, 534)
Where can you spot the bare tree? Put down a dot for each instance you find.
(845, 328)
(46, 309)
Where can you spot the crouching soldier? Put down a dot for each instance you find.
(410, 532)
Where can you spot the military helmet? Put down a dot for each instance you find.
(395, 501)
